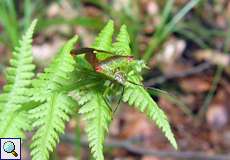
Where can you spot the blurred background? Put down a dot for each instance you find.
(186, 44)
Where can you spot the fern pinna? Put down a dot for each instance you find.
(49, 118)
(84, 80)
(14, 122)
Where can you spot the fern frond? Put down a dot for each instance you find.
(56, 75)
(50, 119)
(98, 116)
(104, 39)
(121, 46)
(15, 92)
(140, 98)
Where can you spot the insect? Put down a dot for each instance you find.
(90, 55)
(113, 68)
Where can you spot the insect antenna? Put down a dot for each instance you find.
(172, 98)
(152, 89)
(87, 50)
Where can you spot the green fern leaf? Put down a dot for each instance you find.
(18, 75)
(121, 46)
(98, 116)
(140, 98)
(57, 75)
(104, 39)
(136, 95)
(50, 119)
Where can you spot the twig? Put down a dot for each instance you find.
(130, 147)
(173, 99)
(195, 70)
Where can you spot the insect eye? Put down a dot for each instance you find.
(130, 58)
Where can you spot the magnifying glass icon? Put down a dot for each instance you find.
(9, 147)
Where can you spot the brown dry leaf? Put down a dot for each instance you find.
(65, 150)
(195, 84)
(136, 124)
(172, 50)
(174, 68)
(213, 57)
(119, 152)
(175, 115)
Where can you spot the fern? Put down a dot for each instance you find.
(56, 75)
(104, 39)
(96, 110)
(121, 46)
(97, 114)
(19, 75)
(137, 95)
(49, 118)
(140, 98)
(49, 94)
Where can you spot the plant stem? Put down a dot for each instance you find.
(27, 13)
(156, 40)
(210, 95)
(216, 79)
(164, 32)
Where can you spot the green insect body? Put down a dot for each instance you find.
(117, 68)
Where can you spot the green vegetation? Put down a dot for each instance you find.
(46, 102)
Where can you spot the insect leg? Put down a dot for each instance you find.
(106, 101)
(119, 101)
